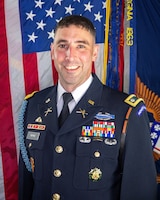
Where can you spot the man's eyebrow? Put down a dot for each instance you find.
(77, 41)
(61, 41)
(82, 42)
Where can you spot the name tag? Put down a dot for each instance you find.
(33, 135)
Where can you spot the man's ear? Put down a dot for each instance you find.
(95, 51)
(52, 49)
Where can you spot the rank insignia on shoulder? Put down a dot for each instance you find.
(133, 100)
(30, 95)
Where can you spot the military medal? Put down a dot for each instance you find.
(101, 129)
(95, 174)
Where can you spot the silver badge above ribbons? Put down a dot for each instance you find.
(104, 116)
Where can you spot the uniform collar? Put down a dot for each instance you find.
(77, 93)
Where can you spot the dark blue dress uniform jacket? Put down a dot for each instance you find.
(61, 162)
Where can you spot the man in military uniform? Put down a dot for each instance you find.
(102, 150)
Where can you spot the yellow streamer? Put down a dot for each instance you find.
(105, 59)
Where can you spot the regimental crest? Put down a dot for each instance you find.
(95, 174)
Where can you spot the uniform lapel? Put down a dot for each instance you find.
(48, 111)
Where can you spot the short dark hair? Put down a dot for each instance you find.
(76, 20)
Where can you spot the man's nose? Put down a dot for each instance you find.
(70, 53)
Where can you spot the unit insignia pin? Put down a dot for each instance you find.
(39, 119)
(49, 110)
(91, 102)
(48, 100)
(83, 112)
(95, 174)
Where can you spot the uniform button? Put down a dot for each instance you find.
(97, 154)
(56, 196)
(57, 173)
(59, 149)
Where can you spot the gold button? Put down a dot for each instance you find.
(57, 173)
(97, 154)
(59, 149)
(56, 196)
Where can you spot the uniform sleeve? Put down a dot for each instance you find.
(25, 181)
(139, 174)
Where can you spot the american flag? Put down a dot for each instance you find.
(26, 32)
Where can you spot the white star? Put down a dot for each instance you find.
(154, 135)
(69, 10)
(30, 15)
(41, 25)
(77, 0)
(104, 4)
(157, 127)
(58, 2)
(32, 37)
(51, 34)
(98, 17)
(49, 12)
(39, 4)
(88, 6)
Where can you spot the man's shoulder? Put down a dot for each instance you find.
(35, 95)
(116, 96)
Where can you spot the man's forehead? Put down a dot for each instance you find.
(63, 33)
(72, 26)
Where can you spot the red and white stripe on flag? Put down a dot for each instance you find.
(20, 74)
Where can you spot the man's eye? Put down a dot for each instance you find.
(81, 46)
(62, 46)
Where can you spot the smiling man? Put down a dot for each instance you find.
(80, 139)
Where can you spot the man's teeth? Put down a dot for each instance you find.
(72, 67)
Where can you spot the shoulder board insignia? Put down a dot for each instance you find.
(133, 100)
(30, 95)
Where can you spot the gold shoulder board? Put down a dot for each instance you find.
(133, 100)
(30, 95)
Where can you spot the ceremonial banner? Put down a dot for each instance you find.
(130, 47)
(148, 56)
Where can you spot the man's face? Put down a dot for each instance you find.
(73, 51)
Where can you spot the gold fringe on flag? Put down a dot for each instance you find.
(152, 100)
